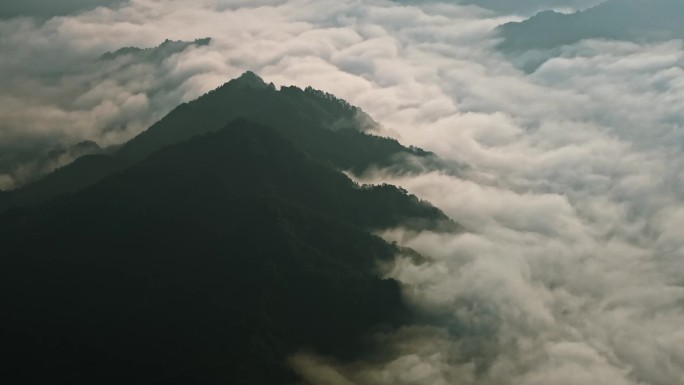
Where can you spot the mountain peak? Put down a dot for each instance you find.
(250, 79)
(325, 127)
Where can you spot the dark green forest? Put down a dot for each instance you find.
(203, 252)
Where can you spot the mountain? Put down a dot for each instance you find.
(519, 7)
(528, 6)
(628, 20)
(327, 128)
(48, 9)
(210, 261)
(156, 54)
(43, 165)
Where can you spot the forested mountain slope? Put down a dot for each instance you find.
(209, 262)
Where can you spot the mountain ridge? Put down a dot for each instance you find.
(211, 261)
(629, 20)
(304, 116)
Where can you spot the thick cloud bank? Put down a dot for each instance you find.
(573, 269)
(55, 95)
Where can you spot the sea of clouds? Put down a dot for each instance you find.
(572, 271)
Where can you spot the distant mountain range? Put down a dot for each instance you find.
(209, 248)
(47, 9)
(153, 55)
(518, 7)
(628, 20)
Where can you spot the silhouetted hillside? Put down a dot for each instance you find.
(207, 263)
(327, 128)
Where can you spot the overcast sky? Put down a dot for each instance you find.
(572, 272)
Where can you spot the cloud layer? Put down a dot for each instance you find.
(572, 272)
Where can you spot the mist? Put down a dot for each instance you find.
(571, 269)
